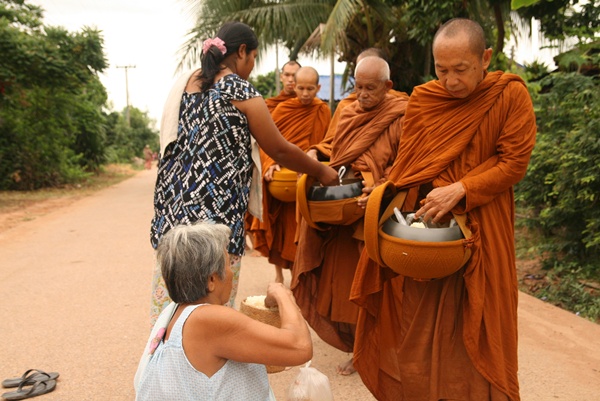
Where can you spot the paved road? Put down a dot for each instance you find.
(74, 297)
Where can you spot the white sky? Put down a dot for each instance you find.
(146, 34)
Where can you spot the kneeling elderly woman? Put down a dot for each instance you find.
(207, 351)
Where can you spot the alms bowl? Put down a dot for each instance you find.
(349, 188)
(434, 232)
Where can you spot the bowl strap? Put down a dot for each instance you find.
(373, 222)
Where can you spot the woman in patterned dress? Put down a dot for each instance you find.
(205, 173)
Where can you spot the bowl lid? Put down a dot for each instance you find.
(284, 174)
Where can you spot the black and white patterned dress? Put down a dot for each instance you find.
(206, 173)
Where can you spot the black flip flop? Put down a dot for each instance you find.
(30, 377)
(38, 388)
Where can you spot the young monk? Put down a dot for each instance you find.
(466, 142)
(303, 121)
(365, 141)
(286, 77)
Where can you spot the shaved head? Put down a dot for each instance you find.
(457, 27)
(375, 64)
(372, 82)
(307, 74)
(307, 85)
(371, 51)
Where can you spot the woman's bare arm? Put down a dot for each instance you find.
(274, 144)
(228, 334)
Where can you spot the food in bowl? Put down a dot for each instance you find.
(415, 230)
(258, 302)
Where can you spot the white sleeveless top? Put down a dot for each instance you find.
(169, 375)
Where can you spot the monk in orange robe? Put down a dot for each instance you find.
(287, 81)
(348, 100)
(365, 141)
(467, 137)
(303, 121)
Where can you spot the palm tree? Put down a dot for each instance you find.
(402, 28)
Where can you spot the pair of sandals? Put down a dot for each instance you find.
(32, 383)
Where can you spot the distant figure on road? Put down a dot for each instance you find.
(211, 119)
(207, 351)
(148, 156)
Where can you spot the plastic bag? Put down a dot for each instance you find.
(310, 385)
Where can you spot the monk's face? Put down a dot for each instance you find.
(370, 88)
(457, 66)
(287, 77)
(306, 87)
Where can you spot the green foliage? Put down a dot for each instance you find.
(516, 4)
(125, 142)
(52, 130)
(266, 84)
(567, 289)
(562, 186)
(561, 19)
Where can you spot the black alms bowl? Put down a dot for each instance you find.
(349, 188)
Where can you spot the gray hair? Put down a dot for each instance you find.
(188, 255)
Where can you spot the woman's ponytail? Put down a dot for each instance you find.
(227, 42)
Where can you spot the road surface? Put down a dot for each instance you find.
(74, 298)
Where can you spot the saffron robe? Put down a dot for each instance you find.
(324, 147)
(303, 126)
(274, 101)
(326, 260)
(456, 337)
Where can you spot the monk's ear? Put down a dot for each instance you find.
(318, 87)
(389, 84)
(487, 58)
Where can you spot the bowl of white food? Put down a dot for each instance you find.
(418, 230)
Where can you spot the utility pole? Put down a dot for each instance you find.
(127, 67)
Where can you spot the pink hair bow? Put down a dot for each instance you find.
(218, 42)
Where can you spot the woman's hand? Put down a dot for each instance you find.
(328, 176)
(274, 293)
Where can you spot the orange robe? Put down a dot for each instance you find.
(456, 337)
(326, 260)
(302, 126)
(274, 101)
(324, 147)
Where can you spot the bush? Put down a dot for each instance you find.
(562, 186)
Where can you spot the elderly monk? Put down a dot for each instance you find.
(369, 52)
(303, 121)
(466, 142)
(365, 141)
(287, 81)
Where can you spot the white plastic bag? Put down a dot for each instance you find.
(310, 385)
